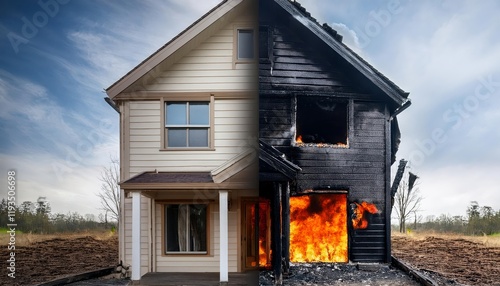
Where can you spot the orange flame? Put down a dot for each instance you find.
(318, 228)
(264, 236)
(360, 211)
(299, 139)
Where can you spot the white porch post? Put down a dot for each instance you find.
(223, 238)
(136, 236)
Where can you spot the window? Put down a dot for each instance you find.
(246, 45)
(186, 228)
(321, 121)
(187, 124)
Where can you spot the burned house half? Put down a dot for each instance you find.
(328, 138)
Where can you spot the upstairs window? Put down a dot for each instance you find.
(187, 124)
(321, 121)
(246, 44)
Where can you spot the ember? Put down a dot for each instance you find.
(359, 214)
(299, 139)
(318, 228)
(300, 142)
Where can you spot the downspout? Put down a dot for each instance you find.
(400, 109)
(112, 104)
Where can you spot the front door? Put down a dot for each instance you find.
(256, 236)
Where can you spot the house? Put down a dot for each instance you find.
(328, 137)
(188, 149)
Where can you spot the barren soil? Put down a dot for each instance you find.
(58, 257)
(450, 261)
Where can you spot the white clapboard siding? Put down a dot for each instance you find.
(233, 124)
(208, 67)
(145, 219)
(208, 263)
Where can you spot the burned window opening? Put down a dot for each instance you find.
(321, 121)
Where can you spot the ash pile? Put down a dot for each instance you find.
(320, 273)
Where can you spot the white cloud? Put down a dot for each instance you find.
(349, 36)
(450, 189)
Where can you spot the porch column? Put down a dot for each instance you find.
(136, 236)
(223, 238)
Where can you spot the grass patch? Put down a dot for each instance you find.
(27, 239)
(486, 240)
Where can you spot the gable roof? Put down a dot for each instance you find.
(334, 41)
(217, 14)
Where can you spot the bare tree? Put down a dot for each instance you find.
(110, 190)
(407, 201)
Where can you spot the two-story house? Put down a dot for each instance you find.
(188, 149)
(328, 137)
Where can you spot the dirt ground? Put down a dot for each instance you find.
(43, 261)
(450, 260)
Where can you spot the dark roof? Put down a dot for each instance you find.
(334, 36)
(168, 177)
(169, 42)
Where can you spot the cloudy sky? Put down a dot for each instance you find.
(55, 59)
(447, 55)
(57, 132)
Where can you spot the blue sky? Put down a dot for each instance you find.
(57, 132)
(56, 59)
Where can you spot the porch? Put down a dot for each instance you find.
(198, 278)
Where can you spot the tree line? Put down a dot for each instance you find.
(479, 220)
(36, 217)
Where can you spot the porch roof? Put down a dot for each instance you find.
(170, 177)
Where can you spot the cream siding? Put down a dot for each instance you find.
(209, 67)
(232, 127)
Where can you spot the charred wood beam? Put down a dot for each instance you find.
(285, 203)
(397, 179)
(276, 234)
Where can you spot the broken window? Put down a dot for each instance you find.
(321, 120)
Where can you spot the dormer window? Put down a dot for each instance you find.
(321, 121)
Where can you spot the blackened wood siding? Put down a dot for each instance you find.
(296, 66)
(297, 69)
